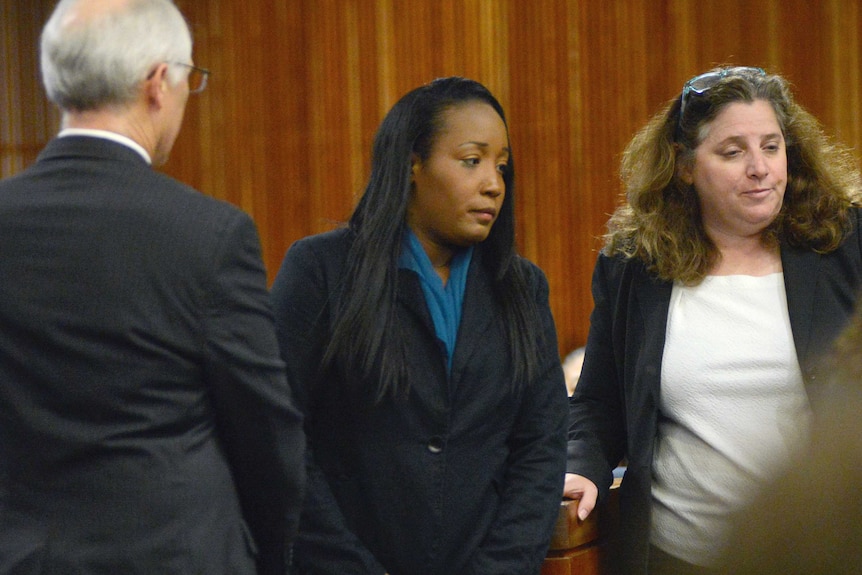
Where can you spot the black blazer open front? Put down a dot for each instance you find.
(463, 475)
(615, 408)
(145, 421)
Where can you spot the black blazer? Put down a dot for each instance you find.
(145, 420)
(463, 475)
(614, 411)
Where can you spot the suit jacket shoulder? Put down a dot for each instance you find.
(822, 290)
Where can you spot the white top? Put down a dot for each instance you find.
(733, 408)
(119, 138)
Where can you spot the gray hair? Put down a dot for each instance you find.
(99, 61)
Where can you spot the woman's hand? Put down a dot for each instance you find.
(585, 491)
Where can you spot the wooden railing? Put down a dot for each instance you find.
(578, 547)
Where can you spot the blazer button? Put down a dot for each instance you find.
(435, 444)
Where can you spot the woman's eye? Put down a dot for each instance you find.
(470, 162)
(503, 168)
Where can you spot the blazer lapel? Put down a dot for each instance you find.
(800, 270)
(476, 316)
(654, 301)
(410, 294)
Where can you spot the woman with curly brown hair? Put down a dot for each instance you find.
(734, 261)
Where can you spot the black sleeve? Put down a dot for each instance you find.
(258, 424)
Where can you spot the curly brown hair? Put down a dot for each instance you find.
(660, 220)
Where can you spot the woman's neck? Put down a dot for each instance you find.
(439, 255)
(747, 256)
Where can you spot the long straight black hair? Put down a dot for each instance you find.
(365, 341)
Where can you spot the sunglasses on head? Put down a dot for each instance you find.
(708, 80)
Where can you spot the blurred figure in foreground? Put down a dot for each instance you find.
(807, 521)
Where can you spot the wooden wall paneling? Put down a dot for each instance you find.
(545, 117)
(804, 48)
(845, 83)
(495, 70)
(670, 46)
(195, 158)
(285, 128)
(416, 27)
(204, 126)
(330, 118)
(612, 70)
(575, 262)
(248, 134)
(27, 118)
(449, 37)
(10, 122)
(719, 48)
(267, 35)
(247, 66)
(360, 57)
(760, 44)
(335, 122)
(288, 132)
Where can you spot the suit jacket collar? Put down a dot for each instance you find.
(88, 147)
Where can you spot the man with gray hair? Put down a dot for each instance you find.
(146, 425)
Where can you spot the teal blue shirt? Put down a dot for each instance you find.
(444, 302)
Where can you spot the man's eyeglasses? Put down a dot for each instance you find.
(197, 77)
(703, 83)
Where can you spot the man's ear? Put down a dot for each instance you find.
(156, 85)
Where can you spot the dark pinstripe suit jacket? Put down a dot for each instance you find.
(463, 475)
(145, 421)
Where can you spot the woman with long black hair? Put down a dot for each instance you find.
(423, 352)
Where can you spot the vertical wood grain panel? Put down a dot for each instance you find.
(27, 119)
(298, 88)
(845, 81)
